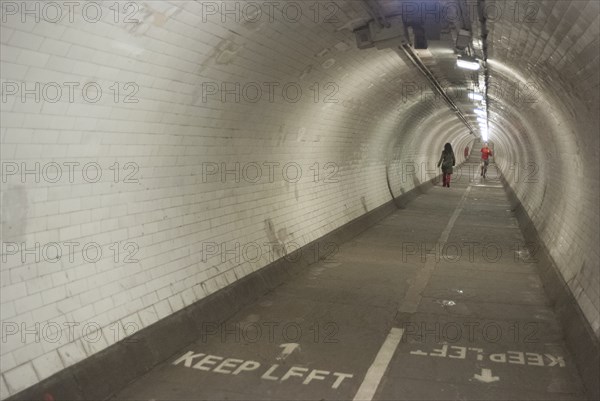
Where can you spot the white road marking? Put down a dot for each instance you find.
(235, 367)
(367, 389)
(486, 376)
(488, 186)
(509, 357)
(412, 299)
(288, 348)
(457, 211)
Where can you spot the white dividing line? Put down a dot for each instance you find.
(412, 298)
(488, 186)
(371, 381)
(457, 211)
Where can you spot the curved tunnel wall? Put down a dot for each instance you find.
(173, 213)
(552, 157)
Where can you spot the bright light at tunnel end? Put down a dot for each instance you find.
(468, 63)
(484, 132)
(475, 96)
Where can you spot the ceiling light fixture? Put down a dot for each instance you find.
(468, 63)
(475, 96)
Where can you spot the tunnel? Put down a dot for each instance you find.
(250, 200)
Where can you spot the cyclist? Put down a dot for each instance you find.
(486, 152)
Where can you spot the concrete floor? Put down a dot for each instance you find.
(439, 301)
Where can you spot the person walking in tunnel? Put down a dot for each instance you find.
(486, 152)
(447, 161)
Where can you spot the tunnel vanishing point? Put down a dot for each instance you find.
(249, 200)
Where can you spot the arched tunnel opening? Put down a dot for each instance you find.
(240, 200)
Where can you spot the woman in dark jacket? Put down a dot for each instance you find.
(447, 161)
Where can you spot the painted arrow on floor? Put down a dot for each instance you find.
(288, 348)
(486, 376)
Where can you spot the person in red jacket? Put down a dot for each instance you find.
(485, 158)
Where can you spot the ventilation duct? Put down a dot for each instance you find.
(463, 40)
(392, 35)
